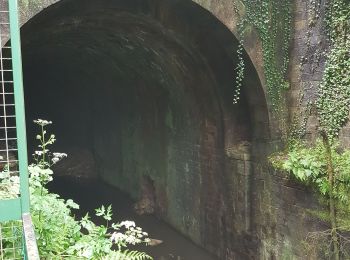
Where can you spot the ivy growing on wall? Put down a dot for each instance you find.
(333, 107)
(334, 93)
(272, 21)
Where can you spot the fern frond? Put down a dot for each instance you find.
(127, 255)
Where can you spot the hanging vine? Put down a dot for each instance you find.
(272, 20)
(240, 68)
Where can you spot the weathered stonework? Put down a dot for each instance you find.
(144, 89)
(308, 56)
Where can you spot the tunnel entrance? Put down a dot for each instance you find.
(143, 90)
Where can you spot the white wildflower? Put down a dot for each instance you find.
(59, 155)
(42, 122)
(118, 237)
(55, 160)
(127, 224)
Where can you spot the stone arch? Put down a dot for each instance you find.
(224, 11)
(143, 88)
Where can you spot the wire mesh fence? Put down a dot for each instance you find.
(11, 240)
(17, 237)
(9, 172)
(11, 232)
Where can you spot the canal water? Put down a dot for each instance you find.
(91, 195)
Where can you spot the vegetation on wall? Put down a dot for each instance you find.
(311, 166)
(272, 21)
(334, 92)
(324, 165)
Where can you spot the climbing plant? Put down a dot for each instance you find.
(334, 92)
(324, 165)
(272, 21)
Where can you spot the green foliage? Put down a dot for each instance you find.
(10, 240)
(334, 93)
(55, 227)
(59, 234)
(9, 185)
(338, 20)
(94, 245)
(127, 255)
(323, 165)
(272, 20)
(327, 169)
(308, 165)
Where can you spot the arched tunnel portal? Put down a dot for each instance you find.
(143, 90)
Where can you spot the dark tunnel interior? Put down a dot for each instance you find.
(142, 90)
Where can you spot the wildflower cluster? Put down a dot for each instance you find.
(9, 185)
(131, 234)
(59, 235)
(9, 182)
(40, 172)
(42, 122)
(98, 240)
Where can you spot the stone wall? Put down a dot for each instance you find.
(144, 89)
(308, 56)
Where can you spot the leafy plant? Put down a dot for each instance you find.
(59, 234)
(9, 185)
(326, 168)
(309, 166)
(324, 165)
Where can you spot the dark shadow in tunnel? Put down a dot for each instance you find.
(143, 89)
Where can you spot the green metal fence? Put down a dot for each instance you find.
(17, 239)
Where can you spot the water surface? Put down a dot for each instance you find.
(92, 194)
